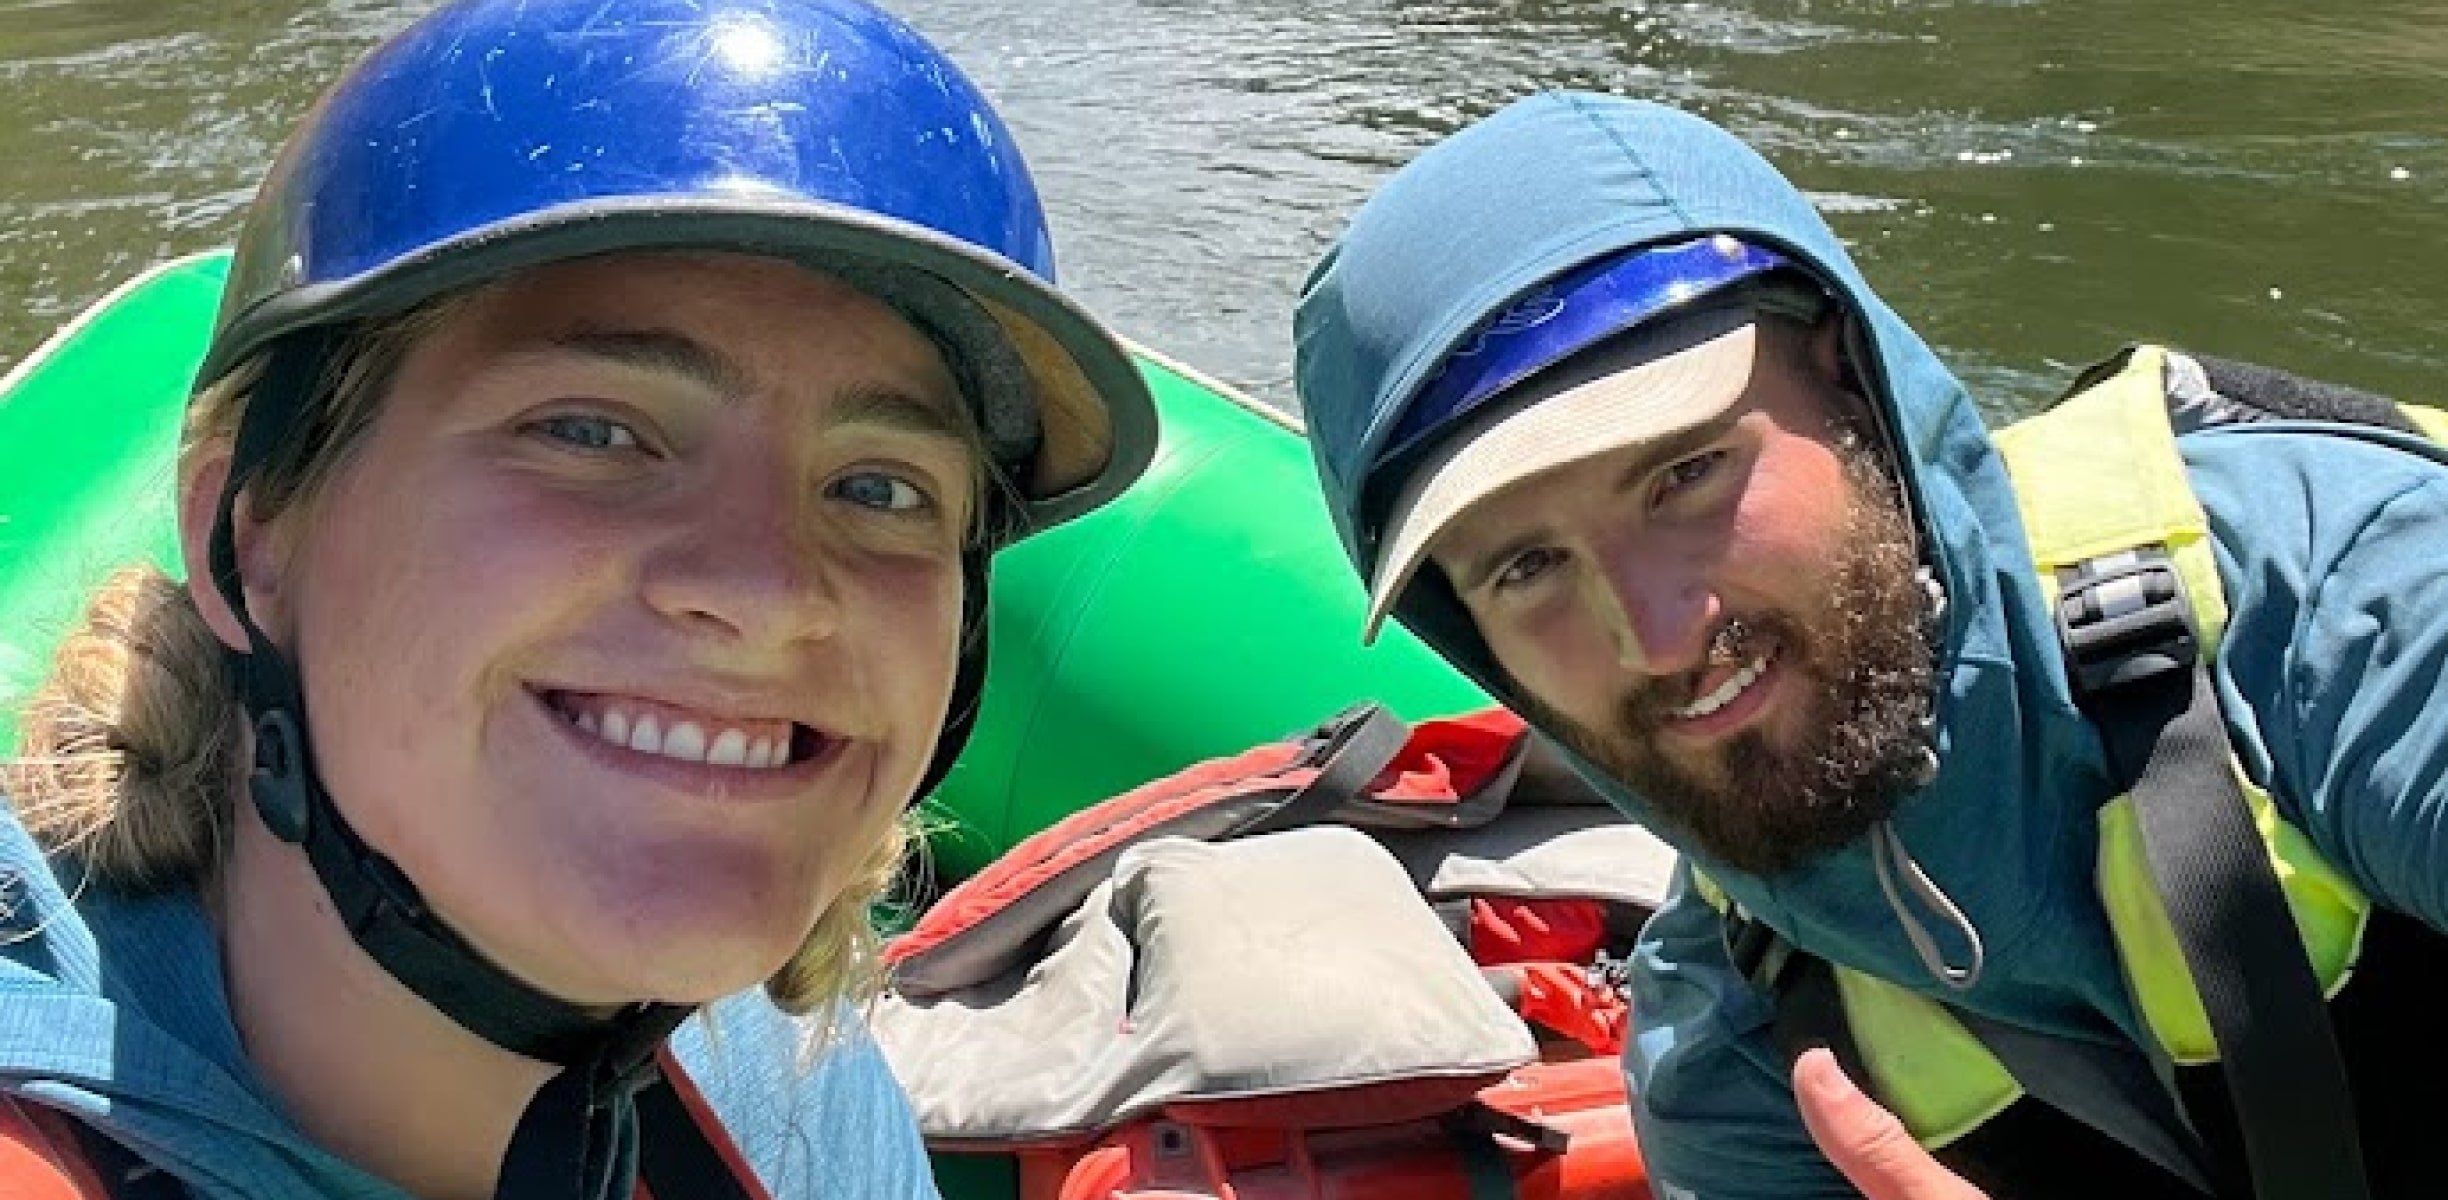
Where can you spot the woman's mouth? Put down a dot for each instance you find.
(666, 731)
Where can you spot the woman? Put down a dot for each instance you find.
(585, 505)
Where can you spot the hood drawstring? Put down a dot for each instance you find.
(1886, 849)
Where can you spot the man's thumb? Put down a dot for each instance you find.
(1867, 1142)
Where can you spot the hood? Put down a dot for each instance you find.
(1560, 179)
(111, 1011)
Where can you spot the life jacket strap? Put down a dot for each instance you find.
(2267, 1012)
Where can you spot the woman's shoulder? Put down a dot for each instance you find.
(812, 1104)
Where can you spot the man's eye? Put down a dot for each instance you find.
(1690, 471)
(880, 491)
(1526, 566)
(588, 433)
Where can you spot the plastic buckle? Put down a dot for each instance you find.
(277, 781)
(629, 1070)
(1757, 952)
(2123, 618)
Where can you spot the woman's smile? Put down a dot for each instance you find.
(732, 758)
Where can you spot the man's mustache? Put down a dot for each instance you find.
(1647, 706)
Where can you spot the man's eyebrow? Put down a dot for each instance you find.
(1673, 446)
(1477, 568)
(659, 351)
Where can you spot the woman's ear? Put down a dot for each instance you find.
(258, 564)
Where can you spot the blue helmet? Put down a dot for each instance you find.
(1564, 316)
(497, 135)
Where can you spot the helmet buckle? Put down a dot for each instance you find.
(278, 780)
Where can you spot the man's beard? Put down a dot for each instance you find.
(1863, 658)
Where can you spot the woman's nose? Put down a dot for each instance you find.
(745, 569)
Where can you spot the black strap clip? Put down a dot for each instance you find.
(277, 781)
(2123, 618)
(1759, 953)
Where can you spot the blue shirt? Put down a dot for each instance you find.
(113, 1010)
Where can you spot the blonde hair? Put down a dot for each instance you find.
(129, 750)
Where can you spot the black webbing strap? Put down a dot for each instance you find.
(2133, 656)
(2276, 1047)
(2112, 1093)
(1809, 1010)
(676, 1153)
(570, 1140)
(1358, 747)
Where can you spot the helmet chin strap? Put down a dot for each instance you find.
(969, 681)
(564, 1145)
(381, 908)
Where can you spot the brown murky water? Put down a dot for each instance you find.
(2031, 182)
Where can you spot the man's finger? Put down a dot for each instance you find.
(1867, 1142)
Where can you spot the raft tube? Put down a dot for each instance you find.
(1207, 609)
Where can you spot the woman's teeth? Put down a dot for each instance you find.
(1725, 693)
(754, 746)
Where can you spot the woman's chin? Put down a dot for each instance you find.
(681, 970)
(683, 921)
(695, 949)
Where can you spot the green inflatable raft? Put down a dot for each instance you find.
(1208, 609)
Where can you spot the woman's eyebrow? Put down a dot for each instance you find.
(665, 352)
(659, 351)
(893, 408)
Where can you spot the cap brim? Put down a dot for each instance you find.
(1650, 383)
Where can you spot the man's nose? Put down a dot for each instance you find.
(1659, 613)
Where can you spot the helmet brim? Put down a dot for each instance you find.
(1097, 419)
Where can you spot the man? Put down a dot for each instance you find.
(1602, 410)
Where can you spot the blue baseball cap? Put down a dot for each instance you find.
(1630, 348)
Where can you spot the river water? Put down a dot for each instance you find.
(2030, 182)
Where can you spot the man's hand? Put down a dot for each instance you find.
(1867, 1142)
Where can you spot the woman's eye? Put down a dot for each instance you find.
(588, 433)
(880, 491)
(1690, 471)
(1526, 566)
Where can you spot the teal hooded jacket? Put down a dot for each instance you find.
(2333, 673)
(113, 1011)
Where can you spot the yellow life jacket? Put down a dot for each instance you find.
(2098, 475)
